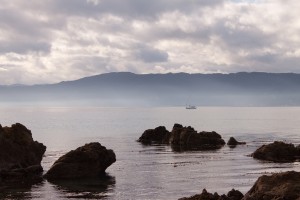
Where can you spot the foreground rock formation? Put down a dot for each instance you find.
(88, 161)
(232, 195)
(278, 186)
(232, 142)
(20, 156)
(183, 137)
(277, 152)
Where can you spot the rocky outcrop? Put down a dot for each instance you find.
(277, 152)
(278, 186)
(88, 161)
(232, 195)
(232, 142)
(20, 155)
(158, 135)
(183, 137)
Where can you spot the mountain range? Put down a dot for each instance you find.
(173, 89)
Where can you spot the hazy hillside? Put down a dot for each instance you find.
(128, 89)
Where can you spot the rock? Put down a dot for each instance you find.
(232, 142)
(279, 186)
(20, 155)
(88, 161)
(277, 152)
(232, 195)
(158, 135)
(186, 138)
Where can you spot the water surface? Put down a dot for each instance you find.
(155, 172)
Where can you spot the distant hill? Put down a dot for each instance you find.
(128, 89)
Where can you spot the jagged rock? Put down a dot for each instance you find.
(158, 135)
(20, 156)
(232, 142)
(232, 195)
(277, 152)
(279, 186)
(88, 161)
(188, 138)
(185, 138)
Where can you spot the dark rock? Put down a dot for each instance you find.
(20, 156)
(279, 186)
(277, 152)
(189, 138)
(158, 135)
(232, 142)
(185, 138)
(88, 161)
(232, 195)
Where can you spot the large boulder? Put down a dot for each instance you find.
(158, 135)
(183, 138)
(277, 152)
(188, 138)
(231, 195)
(20, 155)
(278, 186)
(88, 161)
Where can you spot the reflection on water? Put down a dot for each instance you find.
(19, 191)
(85, 188)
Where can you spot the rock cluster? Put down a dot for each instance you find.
(88, 161)
(279, 186)
(231, 195)
(20, 155)
(184, 137)
(277, 152)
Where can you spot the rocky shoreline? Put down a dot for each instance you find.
(21, 156)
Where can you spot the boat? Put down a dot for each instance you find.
(190, 107)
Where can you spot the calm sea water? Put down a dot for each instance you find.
(155, 172)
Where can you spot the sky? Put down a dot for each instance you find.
(50, 41)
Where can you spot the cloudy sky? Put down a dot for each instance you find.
(53, 40)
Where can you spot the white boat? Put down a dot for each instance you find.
(190, 107)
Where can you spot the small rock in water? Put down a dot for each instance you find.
(232, 142)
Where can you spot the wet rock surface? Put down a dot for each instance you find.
(277, 152)
(20, 156)
(279, 186)
(88, 161)
(186, 138)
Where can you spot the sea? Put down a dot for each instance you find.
(158, 171)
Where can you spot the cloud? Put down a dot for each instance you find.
(52, 40)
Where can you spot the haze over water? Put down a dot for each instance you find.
(157, 172)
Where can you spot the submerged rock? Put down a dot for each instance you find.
(232, 142)
(88, 161)
(183, 138)
(232, 195)
(278, 186)
(20, 156)
(277, 152)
